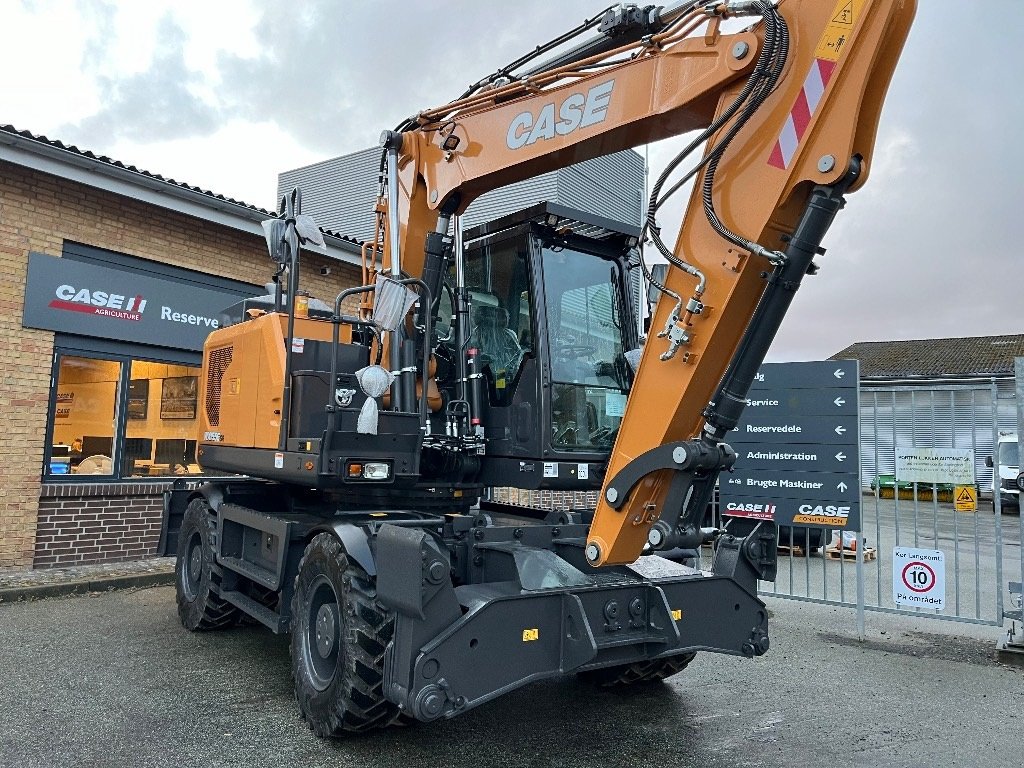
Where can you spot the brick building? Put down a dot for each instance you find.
(87, 458)
(112, 277)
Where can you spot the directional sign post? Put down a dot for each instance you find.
(798, 456)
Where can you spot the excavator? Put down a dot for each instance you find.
(365, 433)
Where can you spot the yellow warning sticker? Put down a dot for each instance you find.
(837, 34)
(677, 615)
(531, 634)
(965, 497)
(835, 522)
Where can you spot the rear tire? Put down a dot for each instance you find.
(639, 673)
(339, 633)
(197, 577)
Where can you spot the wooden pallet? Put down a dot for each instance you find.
(850, 554)
(796, 550)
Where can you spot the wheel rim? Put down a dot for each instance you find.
(192, 567)
(322, 632)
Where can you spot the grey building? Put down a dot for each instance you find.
(941, 393)
(340, 193)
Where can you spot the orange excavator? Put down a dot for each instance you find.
(365, 432)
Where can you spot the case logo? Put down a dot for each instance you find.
(577, 110)
(103, 303)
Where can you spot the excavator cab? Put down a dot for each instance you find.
(552, 316)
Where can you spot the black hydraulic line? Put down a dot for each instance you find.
(725, 408)
(722, 414)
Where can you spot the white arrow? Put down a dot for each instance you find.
(839, 401)
(841, 456)
(842, 487)
(839, 373)
(840, 429)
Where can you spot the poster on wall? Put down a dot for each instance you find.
(138, 398)
(178, 397)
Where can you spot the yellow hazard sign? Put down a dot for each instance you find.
(838, 31)
(965, 497)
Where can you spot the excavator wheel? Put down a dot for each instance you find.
(197, 576)
(338, 637)
(639, 673)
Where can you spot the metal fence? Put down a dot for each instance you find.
(981, 548)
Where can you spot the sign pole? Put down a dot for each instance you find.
(860, 583)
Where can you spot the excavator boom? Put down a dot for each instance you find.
(787, 106)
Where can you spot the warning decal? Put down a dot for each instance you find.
(965, 498)
(845, 15)
(837, 34)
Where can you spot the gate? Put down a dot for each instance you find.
(976, 545)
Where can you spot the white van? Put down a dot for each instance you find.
(1007, 459)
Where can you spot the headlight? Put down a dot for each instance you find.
(368, 470)
(376, 470)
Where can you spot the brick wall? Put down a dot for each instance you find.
(38, 212)
(97, 523)
(549, 500)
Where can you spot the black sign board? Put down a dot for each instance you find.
(93, 300)
(797, 447)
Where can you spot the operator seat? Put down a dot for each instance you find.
(498, 344)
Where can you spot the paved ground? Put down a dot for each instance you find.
(112, 680)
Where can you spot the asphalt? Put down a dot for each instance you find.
(111, 679)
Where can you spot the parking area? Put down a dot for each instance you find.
(113, 680)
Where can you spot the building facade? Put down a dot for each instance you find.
(110, 279)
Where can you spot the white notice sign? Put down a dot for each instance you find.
(919, 578)
(935, 465)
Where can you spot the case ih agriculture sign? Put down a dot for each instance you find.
(87, 299)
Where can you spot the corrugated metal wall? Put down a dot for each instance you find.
(339, 193)
(609, 186)
(932, 416)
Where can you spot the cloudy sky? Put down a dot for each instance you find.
(225, 94)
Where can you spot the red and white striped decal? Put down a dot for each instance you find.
(800, 116)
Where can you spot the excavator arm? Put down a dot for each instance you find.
(787, 109)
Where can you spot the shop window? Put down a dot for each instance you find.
(85, 416)
(122, 417)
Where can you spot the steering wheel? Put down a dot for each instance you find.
(574, 351)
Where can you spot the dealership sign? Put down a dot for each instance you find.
(93, 300)
(797, 449)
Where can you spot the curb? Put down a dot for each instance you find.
(84, 586)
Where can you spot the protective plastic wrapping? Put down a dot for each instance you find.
(633, 358)
(391, 302)
(374, 380)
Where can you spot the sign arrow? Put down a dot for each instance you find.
(839, 402)
(840, 429)
(842, 487)
(839, 373)
(841, 456)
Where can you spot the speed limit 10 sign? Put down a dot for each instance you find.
(919, 578)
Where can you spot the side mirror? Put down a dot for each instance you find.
(988, 462)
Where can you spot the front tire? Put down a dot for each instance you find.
(338, 637)
(639, 673)
(197, 576)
